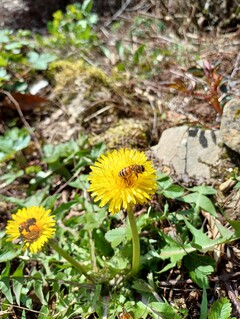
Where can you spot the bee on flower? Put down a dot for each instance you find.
(34, 226)
(122, 178)
(126, 172)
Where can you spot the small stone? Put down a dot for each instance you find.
(189, 150)
(227, 185)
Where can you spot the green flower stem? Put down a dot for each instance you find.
(72, 261)
(135, 242)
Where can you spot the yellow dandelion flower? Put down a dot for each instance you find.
(33, 225)
(122, 179)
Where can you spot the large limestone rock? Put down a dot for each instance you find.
(189, 150)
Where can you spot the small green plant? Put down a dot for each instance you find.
(13, 57)
(75, 27)
(133, 53)
(19, 59)
(143, 26)
(12, 160)
(13, 141)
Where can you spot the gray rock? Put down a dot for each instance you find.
(230, 125)
(189, 150)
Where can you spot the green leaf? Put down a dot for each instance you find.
(200, 239)
(20, 86)
(58, 15)
(53, 153)
(4, 76)
(191, 198)
(120, 50)
(119, 235)
(164, 310)
(3, 62)
(173, 191)
(142, 286)
(201, 201)
(93, 220)
(106, 51)
(12, 141)
(203, 189)
(4, 36)
(121, 67)
(5, 286)
(236, 225)
(33, 169)
(116, 236)
(200, 275)
(17, 281)
(13, 200)
(167, 188)
(204, 305)
(87, 6)
(140, 310)
(10, 177)
(221, 309)
(118, 263)
(237, 186)
(206, 204)
(225, 232)
(200, 267)
(138, 53)
(38, 288)
(40, 61)
(101, 244)
(19, 271)
(164, 182)
(44, 312)
(37, 198)
(8, 253)
(13, 46)
(174, 251)
(63, 208)
(97, 295)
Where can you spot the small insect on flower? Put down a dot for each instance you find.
(126, 172)
(122, 178)
(33, 226)
(25, 225)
